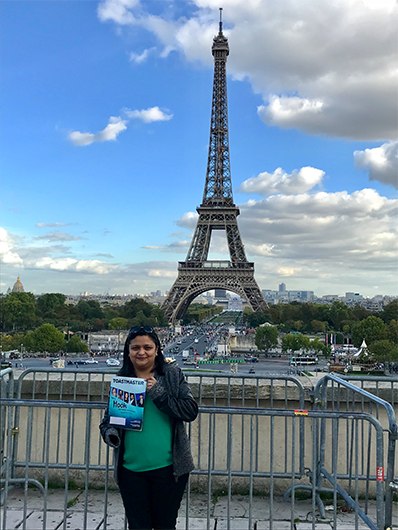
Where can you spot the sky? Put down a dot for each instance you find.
(105, 128)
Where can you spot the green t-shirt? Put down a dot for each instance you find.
(150, 448)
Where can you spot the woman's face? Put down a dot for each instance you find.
(142, 353)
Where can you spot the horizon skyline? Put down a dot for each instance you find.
(163, 293)
(106, 119)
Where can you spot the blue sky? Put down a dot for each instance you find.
(105, 129)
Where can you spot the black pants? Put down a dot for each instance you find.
(151, 498)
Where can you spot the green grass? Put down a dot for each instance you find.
(72, 502)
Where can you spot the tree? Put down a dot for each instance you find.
(11, 342)
(275, 314)
(319, 347)
(291, 311)
(390, 312)
(257, 318)
(48, 303)
(247, 311)
(89, 309)
(160, 318)
(118, 323)
(370, 329)
(266, 337)
(318, 326)
(392, 331)
(46, 338)
(75, 345)
(293, 342)
(131, 309)
(339, 313)
(18, 311)
(384, 351)
(360, 312)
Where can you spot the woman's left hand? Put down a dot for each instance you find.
(150, 381)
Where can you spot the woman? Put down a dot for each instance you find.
(152, 466)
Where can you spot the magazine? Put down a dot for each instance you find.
(126, 402)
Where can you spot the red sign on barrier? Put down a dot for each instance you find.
(380, 474)
(301, 412)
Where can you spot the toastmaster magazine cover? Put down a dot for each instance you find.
(126, 402)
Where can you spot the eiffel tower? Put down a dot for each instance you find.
(197, 274)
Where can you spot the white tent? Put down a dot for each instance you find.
(363, 350)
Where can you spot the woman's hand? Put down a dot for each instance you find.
(150, 381)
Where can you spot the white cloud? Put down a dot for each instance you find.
(381, 162)
(94, 266)
(149, 115)
(31, 257)
(327, 242)
(289, 112)
(176, 246)
(359, 228)
(51, 225)
(57, 236)
(7, 252)
(188, 220)
(115, 126)
(140, 58)
(70, 264)
(117, 10)
(281, 182)
(322, 67)
(162, 273)
(288, 271)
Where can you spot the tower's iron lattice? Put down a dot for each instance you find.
(197, 274)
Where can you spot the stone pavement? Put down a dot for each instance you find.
(92, 510)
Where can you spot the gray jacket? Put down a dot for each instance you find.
(172, 395)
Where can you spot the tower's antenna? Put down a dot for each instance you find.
(220, 19)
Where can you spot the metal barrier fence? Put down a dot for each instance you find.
(237, 450)
(335, 393)
(219, 389)
(6, 391)
(225, 388)
(383, 387)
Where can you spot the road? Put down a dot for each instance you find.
(264, 366)
(198, 341)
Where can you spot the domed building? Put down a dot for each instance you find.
(18, 287)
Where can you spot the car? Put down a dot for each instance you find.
(54, 359)
(77, 361)
(5, 364)
(112, 362)
(251, 359)
(190, 363)
(91, 361)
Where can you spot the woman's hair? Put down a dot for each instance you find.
(127, 368)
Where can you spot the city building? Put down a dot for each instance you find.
(235, 303)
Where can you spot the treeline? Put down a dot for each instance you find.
(21, 312)
(379, 330)
(318, 318)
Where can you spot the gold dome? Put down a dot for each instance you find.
(18, 287)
